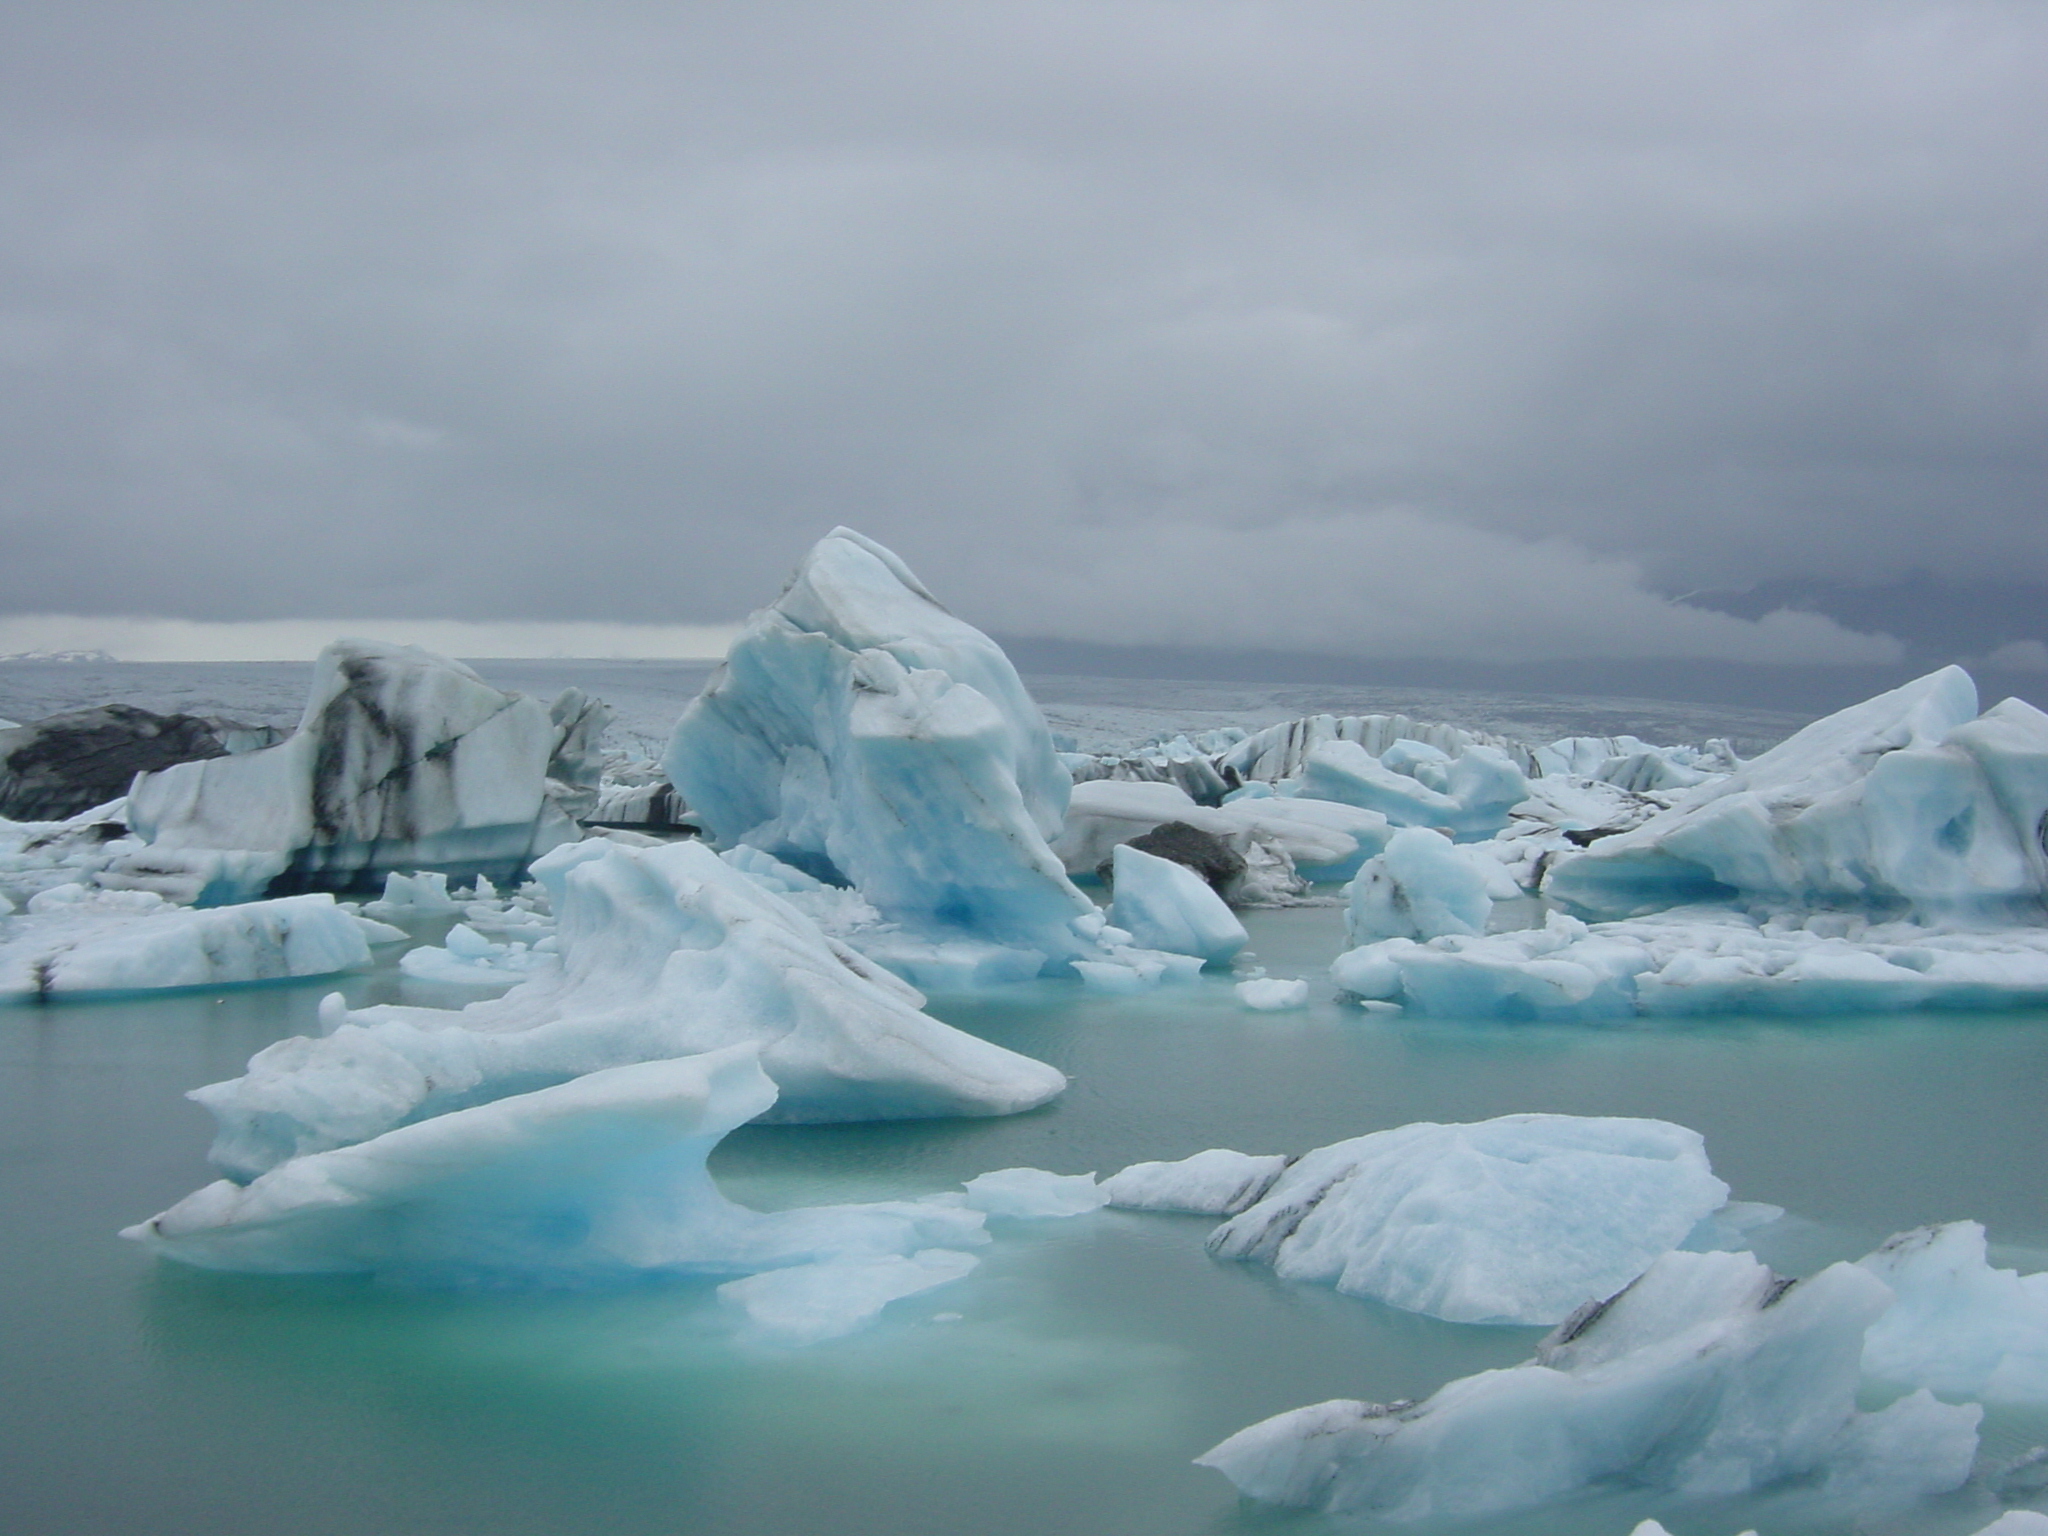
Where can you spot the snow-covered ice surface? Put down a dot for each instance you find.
(1521, 1219)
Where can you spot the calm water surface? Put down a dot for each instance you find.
(1090, 1359)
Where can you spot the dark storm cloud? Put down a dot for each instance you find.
(1417, 329)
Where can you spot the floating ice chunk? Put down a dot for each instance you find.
(407, 898)
(1959, 1326)
(601, 1179)
(808, 1303)
(2017, 1522)
(1272, 994)
(1514, 1220)
(1421, 886)
(468, 959)
(1907, 797)
(1321, 838)
(1033, 1192)
(860, 732)
(1164, 905)
(1478, 788)
(664, 952)
(403, 759)
(1704, 959)
(75, 938)
(1218, 1182)
(1708, 1377)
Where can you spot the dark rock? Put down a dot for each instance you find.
(54, 768)
(1204, 852)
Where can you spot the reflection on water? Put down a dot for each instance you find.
(1088, 1362)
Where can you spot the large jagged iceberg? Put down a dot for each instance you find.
(1708, 1377)
(1520, 1219)
(862, 733)
(1908, 799)
(403, 760)
(597, 1180)
(662, 952)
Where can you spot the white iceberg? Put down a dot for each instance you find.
(1520, 1219)
(1706, 959)
(77, 939)
(860, 732)
(663, 952)
(403, 760)
(1959, 1327)
(1167, 906)
(1321, 838)
(1422, 885)
(1908, 798)
(597, 1180)
(1706, 1378)
(467, 959)
(1468, 796)
(1272, 994)
(1218, 1182)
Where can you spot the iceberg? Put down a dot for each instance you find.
(68, 763)
(1470, 798)
(1218, 1182)
(1421, 886)
(1910, 799)
(859, 731)
(663, 952)
(1959, 1327)
(403, 760)
(1167, 906)
(1517, 1220)
(600, 1180)
(1704, 959)
(1705, 1378)
(77, 939)
(1272, 994)
(1321, 838)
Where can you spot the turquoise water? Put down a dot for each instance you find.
(1091, 1359)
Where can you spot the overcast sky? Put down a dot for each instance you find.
(1465, 329)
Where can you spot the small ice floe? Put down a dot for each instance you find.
(1218, 1182)
(1272, 994)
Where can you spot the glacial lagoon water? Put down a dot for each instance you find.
(1064, 1386)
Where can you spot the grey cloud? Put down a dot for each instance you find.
(606, 311)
